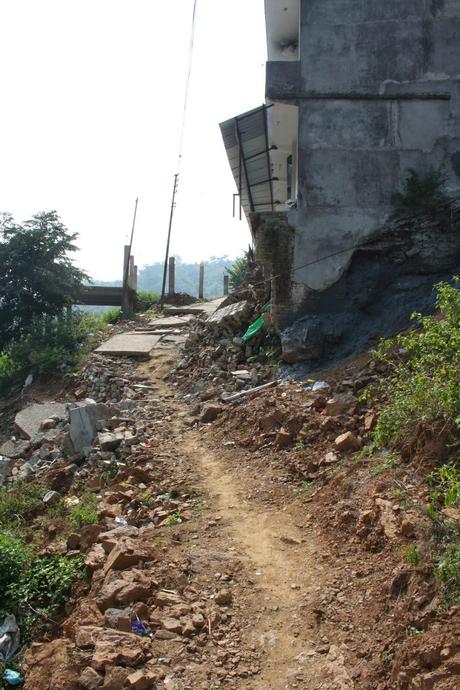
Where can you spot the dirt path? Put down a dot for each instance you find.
(286, 575)
(282, 561)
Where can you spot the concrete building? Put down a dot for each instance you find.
(357, 93)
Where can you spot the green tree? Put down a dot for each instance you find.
(240, 267)
(37, 276)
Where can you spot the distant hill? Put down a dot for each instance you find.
(187, 275)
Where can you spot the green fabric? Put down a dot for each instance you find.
(254, 329)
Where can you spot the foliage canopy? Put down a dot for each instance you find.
(37, 276)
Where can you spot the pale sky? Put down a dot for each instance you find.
(91, 107)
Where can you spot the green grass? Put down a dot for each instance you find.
(20, 505)
(85, 513)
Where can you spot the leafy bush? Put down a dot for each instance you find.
(52, 345)
(20, 505)
(448, 572)
(43, 588)
(447, 482)
(237, 272)
(422, 194)
(13, 557)
(85, 513)
(425, 363)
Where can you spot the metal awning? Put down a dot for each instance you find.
(248, 150)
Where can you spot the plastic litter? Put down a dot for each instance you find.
(9, 637)
(257, 326)
(317, 386)
(13, 678)
(71, 501)
(139, 628)
(121, 521)
(321, 386)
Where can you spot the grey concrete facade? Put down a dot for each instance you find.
(377, 87)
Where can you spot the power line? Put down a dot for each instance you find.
(366, 243)
(187, 81)
(181, 146)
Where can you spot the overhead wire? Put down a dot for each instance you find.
(187, 82)
(181, 146)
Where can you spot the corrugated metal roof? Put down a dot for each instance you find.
(248, 150)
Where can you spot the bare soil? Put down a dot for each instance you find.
(316, 593)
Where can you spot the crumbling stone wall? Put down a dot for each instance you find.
(274, 250)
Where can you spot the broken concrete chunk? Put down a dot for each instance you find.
(6, 467)
(232, 317)
(84, 424)
(15, 449)
(51, 498)
(109, 440)
(28, 420)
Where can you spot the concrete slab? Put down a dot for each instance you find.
(171, 322)
(130, 344)
(176, 339)
(196, 309)
(154, 331)
(28, 420)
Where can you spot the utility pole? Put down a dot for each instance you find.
(162, 299)
(128, 247)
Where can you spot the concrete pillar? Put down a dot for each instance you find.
(135, 278)
(172, 275)
(225, 285)
(125, 306)
(131, 272)
(201, 283)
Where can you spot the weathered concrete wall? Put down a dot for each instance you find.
(378, 92)
(383, 284)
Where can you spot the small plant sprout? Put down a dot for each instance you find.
(412, 555)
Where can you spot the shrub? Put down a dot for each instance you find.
(423, 387)
(85, 513)
(19, 505)
(13, 557)
(448, 572)
(43, 588)
(422, 194)
(447, 482)
(237, 272)
(53, 345)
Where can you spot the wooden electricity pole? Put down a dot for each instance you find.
(162, 299)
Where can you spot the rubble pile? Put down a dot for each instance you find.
(150, 614)
(216, 361)
(325, 417)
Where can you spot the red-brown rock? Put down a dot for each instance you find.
(348, 442)
(90, 679)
